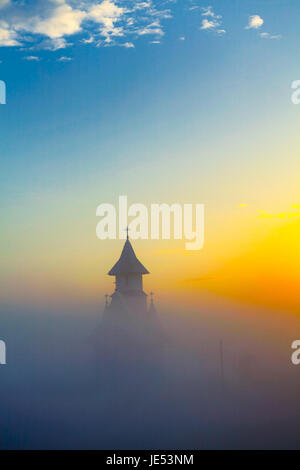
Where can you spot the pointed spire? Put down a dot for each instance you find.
(128, 262)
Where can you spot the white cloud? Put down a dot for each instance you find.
(64, 59)
(63, 20)
(142, 5)
(129, 45)
(48, 24)
(150, 30)
(212, 21)
(107, 14)
(270, 36)
(8, 37)
(208, 11)
(255, 22)
(89, 40)
(54, 44)
(4, 3)
(57, 24)
(32, 58)
(209, 24)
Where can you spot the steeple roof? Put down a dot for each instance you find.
(128, 262)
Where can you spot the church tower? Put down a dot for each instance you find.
(131, 340)
(129, 272)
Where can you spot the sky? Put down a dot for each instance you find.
(162, 101)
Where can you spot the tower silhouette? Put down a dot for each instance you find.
(129, 273)
(131, 337)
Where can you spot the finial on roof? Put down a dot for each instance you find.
(127, 230)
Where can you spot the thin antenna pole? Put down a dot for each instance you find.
(221, 363)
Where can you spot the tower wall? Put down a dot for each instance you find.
(129, 282)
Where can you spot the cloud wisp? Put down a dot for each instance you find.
(64, 59)
(32, 58)
(211, 21)
(270, 36)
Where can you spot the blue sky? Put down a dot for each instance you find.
(77, 95)
(120, 104)
(163, 101)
